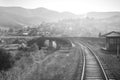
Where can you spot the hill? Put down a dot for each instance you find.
(90, 27)
(101, 15)
(18, 16)
(65, 22)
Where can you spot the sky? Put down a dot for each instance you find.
(74, 6)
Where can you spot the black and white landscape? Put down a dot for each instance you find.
(59, 39)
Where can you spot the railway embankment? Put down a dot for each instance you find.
(108, 59)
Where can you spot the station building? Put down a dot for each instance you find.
(112, 41)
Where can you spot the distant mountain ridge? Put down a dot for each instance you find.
(101, 15)
(18, 16)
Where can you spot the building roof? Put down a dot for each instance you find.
(112, 34)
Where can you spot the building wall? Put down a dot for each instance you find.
(112, 43)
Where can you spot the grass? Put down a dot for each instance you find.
(57, 66)
(35, 64)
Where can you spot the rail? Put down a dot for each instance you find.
(99, 62)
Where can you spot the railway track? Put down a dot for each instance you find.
(92, 66)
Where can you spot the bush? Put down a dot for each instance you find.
(6, 60)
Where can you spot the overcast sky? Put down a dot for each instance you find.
(74, 6)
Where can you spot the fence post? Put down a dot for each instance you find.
(118, 50)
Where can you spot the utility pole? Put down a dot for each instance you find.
(118, 50)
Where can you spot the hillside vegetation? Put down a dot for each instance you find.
(64, 23)
(35, 64)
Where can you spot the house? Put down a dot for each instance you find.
(112, 41)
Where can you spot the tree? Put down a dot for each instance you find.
(6, 60)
